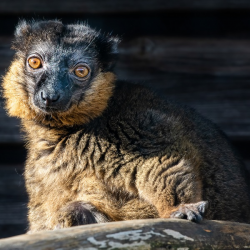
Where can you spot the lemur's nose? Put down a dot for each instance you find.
(49, 98)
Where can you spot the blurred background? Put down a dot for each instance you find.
(196, 52)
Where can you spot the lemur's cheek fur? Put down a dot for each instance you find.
(99, 93)
(18, 101)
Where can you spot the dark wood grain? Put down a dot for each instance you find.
(213, 76)
(13, 201)
(111, 6)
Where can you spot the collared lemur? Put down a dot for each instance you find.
(100, 149)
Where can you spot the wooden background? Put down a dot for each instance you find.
(197, 52)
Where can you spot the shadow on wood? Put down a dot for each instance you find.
(139, 234)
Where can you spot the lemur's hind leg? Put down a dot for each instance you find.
(79, 213)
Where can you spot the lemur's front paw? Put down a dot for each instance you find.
(79, 213)
(193, 211)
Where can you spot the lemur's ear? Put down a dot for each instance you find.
(42, 30)
(22, 29)
(108, 49)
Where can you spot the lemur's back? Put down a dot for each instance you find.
(169, 129)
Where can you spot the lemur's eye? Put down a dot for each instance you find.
(34, 62)
(81, 71)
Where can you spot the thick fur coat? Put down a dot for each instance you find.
(107, 150)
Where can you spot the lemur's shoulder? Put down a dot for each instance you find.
(133, 97)
(130, 99)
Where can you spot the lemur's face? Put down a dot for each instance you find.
(61, 73)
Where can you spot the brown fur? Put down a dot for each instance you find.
(122, 153)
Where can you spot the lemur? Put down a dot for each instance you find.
(101, 149)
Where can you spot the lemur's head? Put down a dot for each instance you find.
(61, 74)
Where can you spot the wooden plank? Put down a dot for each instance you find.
(13, 214)
(12, 187)
(138, 234)
(210, 75)
(13, 201)
(111, 6)
(203, 24)
(247, 162)
(9, 230)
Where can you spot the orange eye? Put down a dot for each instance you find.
(34, 62)
(81, 71)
